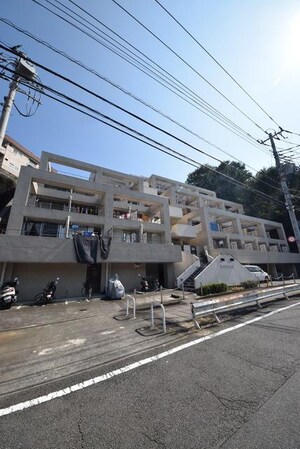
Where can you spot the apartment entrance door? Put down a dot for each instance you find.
(155, 271)
(93, 276)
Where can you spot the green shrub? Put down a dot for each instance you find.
(210, 289)
(249, 284)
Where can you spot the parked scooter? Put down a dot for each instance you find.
(8, 293)
(144, 285)
(149, 285)
(47, 294)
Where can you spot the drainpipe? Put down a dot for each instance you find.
(68, 226)
(141, 233)
(68, 217)
(3, 272)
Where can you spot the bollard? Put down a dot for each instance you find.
(163, 315)
(128, 297)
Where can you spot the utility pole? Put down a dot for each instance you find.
(287, 196)
(7, 107)
(22, 69)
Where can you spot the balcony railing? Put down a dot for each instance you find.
(79, 209)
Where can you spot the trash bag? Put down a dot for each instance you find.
(115, 288)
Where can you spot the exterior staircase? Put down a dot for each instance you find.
(189, 285)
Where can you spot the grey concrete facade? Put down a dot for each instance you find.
(152, 223)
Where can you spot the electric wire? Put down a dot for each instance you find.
(35, 63)
(139, 118)
(144, 68)
(119, 107)
(170, 77)
(116, 106)
(144, 55)
(216, 61)
(291, 132)
(138, 135)
(79, 63)
(217, 115)
(189, 65)
(162, 148)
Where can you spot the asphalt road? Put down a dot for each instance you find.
(236, 385)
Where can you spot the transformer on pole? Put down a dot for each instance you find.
(23, 69)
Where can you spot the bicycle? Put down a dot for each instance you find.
(47, 294)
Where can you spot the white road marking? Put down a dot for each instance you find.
(87, 383)
(107, 332)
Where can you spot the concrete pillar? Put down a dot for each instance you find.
(15, 222)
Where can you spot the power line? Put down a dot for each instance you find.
(99, 97)
(79, 63)
(113, 104)
(68, 80)
(144, 55)
(138, 135)
(291, 132)
(216, 61)
(189, 65)
(217, 115)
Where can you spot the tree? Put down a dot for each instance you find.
(265, 198)
(218, 180)
(262, 196)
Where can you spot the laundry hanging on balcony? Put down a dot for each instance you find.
(86, 248)
(104, 247)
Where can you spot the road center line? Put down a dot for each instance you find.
(87, 383)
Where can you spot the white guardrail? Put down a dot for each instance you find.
(206, 308)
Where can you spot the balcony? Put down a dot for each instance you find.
(184, 231)
(175, 212)
(29, 249)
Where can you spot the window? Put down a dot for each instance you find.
(50, 229)
(41, 229)
(214, 226)
(129, 237)
(17, 152)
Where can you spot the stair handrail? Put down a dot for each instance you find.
(187, 272)
(208, 256)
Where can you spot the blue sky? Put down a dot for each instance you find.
(256, 41)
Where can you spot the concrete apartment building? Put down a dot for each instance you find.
(153, 227)
(13, 156)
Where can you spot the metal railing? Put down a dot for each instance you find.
(154, 303)
(163, 310)
(188, 272)
(202, 309)
(128, 299)
(283, 278)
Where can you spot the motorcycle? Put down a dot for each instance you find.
(144, 285)
(8, 293)
(151, 285)
(47, 294)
